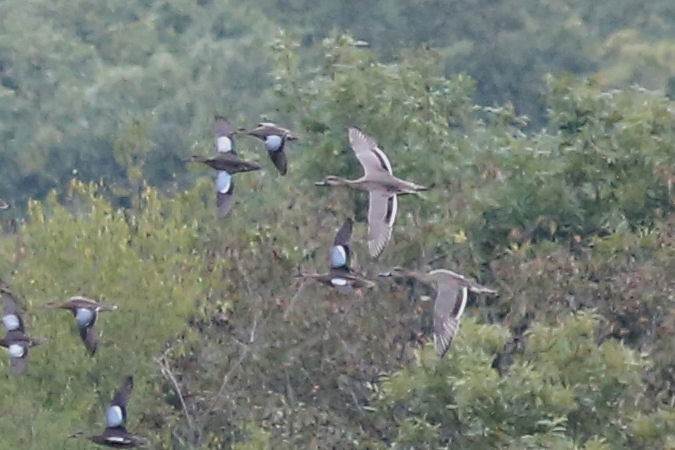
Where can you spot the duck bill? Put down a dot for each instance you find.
(78, 435)
(107, 308)
(54, 304)
(368, 284)
(306, 275)
(35, 341)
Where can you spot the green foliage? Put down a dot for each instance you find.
(411, 109)
(142, 263)
(562, 391)
(607, 168)
(573, 223)
(75, 75)
(69, 67)
(258, 439)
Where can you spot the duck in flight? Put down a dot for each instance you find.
(341, 276)
(85, 311)
(382, 187)
(115, 433)
(15, 341)
(275, 138)
(451, 296)
(226, 162)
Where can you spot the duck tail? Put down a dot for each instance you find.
(427, 188)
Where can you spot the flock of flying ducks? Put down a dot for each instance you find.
(85, 311)
(382, 187)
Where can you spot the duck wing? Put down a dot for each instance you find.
(451, 297)
(18, 351)
(265, 129)
(340, 253)
(381, 216)
(18, 365)
(224, 193)
(275, 138)
(11, 317)
(89, 336)
(116, 416)
(224, 133)
(344, 234)
(278, 157)
(372, 158)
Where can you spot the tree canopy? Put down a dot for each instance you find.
(552, 182)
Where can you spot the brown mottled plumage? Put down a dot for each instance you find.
(341, 276)
(85, 311)
(451, 297)
(226, 162)
(115, 434)
(15, 341)
(275, 138)
(380, 183)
